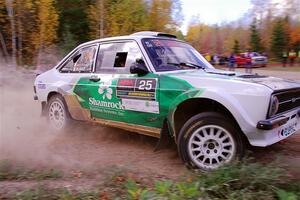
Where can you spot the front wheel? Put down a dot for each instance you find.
(209, 140)
(58, 115)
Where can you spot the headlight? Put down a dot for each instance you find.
(274, 104)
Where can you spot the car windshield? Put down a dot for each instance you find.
(254, 54)
(170, 55)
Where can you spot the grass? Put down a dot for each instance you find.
(240, 180)
(41, 192)
(8, 171)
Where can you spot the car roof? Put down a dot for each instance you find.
(134, 36)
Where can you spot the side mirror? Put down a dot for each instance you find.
(95, 78)
(139, 68)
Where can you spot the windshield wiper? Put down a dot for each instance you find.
(190, 65)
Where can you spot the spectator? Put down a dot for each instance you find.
(284, 58)
(231, 62)
(292, 56)
(299, 55)
(248, 63)
(208, 57)
(215, 59)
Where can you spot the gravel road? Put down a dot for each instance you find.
(25, 139)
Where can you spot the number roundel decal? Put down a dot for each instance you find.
(146, 84)
(136, 88)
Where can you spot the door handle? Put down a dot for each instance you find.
(95, 78)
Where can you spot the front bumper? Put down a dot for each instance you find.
(276, 129)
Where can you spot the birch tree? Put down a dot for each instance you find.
(10, 12)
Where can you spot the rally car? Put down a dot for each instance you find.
(154, 84)
(256, 59)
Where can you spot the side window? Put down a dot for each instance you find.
(117, 57)
(81, 61)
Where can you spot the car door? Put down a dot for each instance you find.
(77, 67)
(116, 94)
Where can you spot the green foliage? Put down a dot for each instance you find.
(68, 41)
(240, 180)
(255, 40)
(73, 20)
(135, 192)
(284, 195)
(279, 38)
(163, 187)
(126, 17)
(42, 192)
(236, 47)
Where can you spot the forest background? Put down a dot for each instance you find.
(40, 32)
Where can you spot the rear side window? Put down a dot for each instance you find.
(82, 61)
(117, 57)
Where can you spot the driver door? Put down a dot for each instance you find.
(116, 94)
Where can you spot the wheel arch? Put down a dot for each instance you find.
(51, 94)
(193, 106)
(44, 103)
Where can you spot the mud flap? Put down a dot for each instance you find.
(44, 109)
(165, 139)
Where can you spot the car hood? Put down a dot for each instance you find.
(270, 82)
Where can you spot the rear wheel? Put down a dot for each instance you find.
(208, 141)
(58, 114)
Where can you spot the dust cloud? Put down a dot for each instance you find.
(26, 138)
(23, 135)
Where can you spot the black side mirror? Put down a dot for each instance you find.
(139, 68)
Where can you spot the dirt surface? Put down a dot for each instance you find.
(93, 150)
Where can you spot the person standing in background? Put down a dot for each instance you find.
(248, 63)
(284, 58)
(231, 62)
(292, 56)
(299, 55)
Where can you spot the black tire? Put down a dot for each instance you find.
(57, 111)
(194, 140)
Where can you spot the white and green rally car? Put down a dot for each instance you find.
(154, 84)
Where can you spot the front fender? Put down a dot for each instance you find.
(232, 104)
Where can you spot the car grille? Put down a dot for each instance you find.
(288, 100)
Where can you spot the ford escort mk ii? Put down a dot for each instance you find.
(154, 84)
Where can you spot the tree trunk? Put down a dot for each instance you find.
(20, 35)
(101, 23)
(39, 55)
(10, 12)
(3, 47)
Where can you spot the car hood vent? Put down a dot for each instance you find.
(221, 73)
(251, 76)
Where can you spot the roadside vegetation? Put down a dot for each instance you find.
(34, 31)
(8, 171)
(241, 180)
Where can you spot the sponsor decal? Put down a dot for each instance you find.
(141, 105)
(137, 88)
(107, 104)
(138, 94)
(130, 94)
(105, 91)
(288, 130)
(41, 85)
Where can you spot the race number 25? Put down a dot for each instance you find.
(146, 84)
